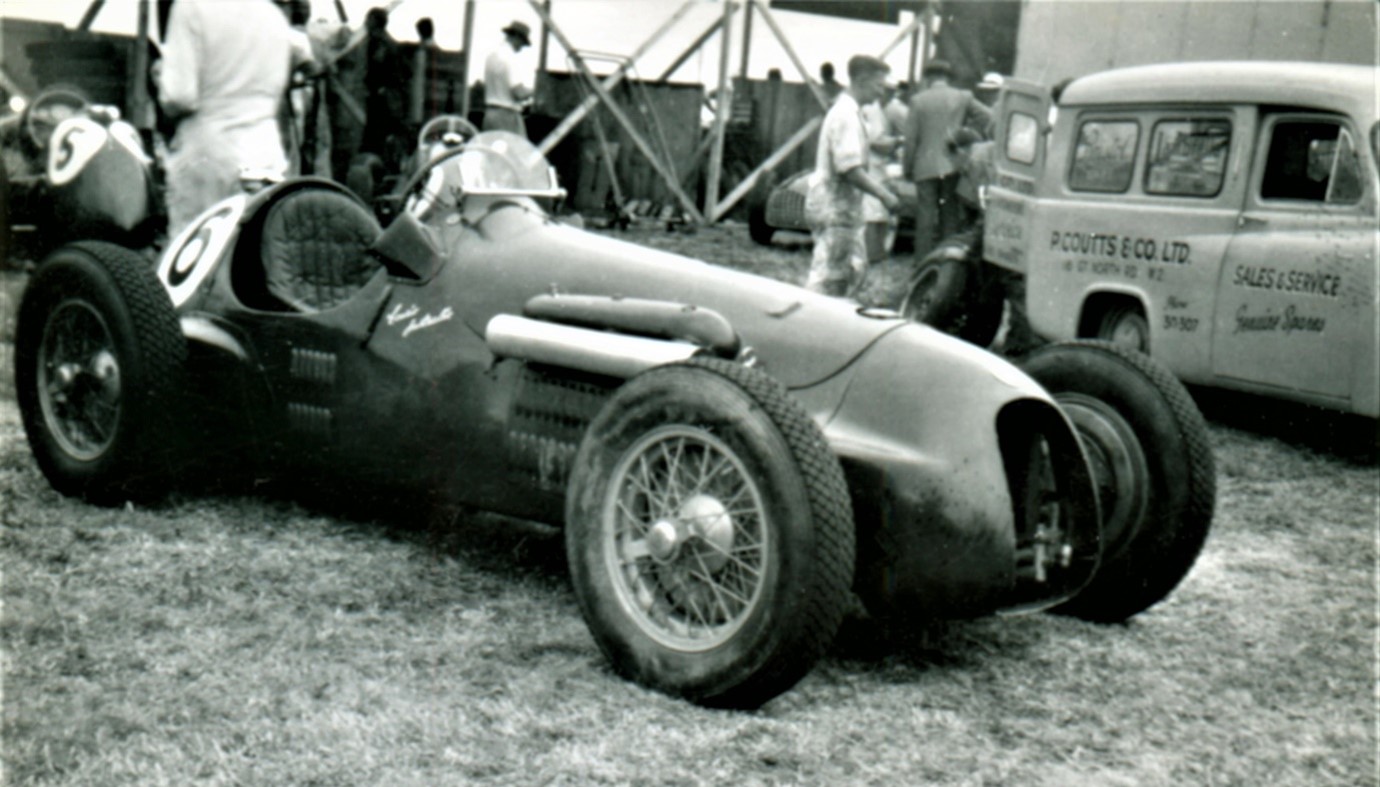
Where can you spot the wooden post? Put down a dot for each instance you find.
(797, 139)
(723, 110)
(138, 95)
(545, 42)
(467, 44)
(620, 116)
(747, 40)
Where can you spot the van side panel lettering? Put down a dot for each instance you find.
(1109, 244)
(1254, 277)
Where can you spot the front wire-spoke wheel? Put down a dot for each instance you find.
(709, 534)
(689, 548)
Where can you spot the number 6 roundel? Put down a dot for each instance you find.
(194, 253)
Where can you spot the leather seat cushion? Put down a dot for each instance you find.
(315, 249)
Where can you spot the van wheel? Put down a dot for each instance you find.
(1125, 326)
(1148, 449)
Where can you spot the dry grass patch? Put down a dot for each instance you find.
(242, 639)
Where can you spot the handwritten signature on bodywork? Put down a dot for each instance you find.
(416, 321)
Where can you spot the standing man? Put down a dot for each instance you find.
(936, 115)
(834, 202)
(385, 75)
(505, 93)
(423, 104)
(224, 71)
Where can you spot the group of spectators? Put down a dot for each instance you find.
(351, 103)
(227, 66)
(937, 134)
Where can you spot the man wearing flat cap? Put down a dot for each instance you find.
(505, 93)
(936, 115)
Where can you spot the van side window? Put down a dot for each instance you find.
(1311, 161)
(1105, 155)
(1022, 137)
(1188, 158)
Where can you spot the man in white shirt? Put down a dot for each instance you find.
(224, 71)
(834, 202)
(505, 94)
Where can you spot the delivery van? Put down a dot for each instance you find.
(1220, 216)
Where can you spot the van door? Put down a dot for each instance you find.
(1133, 226)
(1022, 125)
(1297, 299)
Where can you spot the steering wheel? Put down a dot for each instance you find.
(447, 131)
(442, 137)
(48, 109)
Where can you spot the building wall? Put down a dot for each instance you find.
(1068, 38)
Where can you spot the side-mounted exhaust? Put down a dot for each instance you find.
(595, 351)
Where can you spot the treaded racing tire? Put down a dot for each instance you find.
(945, 295)
(649, 539)
(99, 356)
(1152, 464)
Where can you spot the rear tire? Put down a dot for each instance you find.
(709, 534)
(945, 296)
(1148, 449)
(98, 363)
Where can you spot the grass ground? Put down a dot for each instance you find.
(251, 640)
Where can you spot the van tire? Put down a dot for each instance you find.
(1125, 326)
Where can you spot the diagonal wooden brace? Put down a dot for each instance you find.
(797, 139)
(790, 52)
(667, 176)
(612, 81)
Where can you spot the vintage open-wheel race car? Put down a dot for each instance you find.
(731, 458)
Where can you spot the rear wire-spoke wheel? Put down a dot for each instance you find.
(1148, 453)
(79, 380)
(709, 534)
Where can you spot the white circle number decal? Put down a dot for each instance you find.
(196, 251)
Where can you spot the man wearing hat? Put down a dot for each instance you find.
(505, 93)
(834, 198)
(936, 115)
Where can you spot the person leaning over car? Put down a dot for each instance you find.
(936, 114)
(224, 71)
(834, 200)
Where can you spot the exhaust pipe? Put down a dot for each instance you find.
(598, 352)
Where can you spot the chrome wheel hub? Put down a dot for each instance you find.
(685, 538)
(79, 380)
(1120, 470)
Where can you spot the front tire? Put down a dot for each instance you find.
(709, 534)
(1148, 449)
(98, 358)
